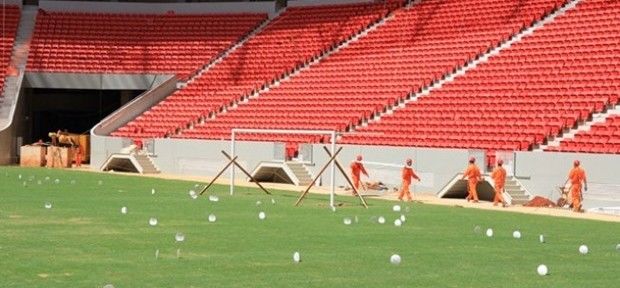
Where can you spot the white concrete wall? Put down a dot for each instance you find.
(13, 2)
(93, 81)
(301, 3)
(542, 173)
(158, 8)
(189, 157)
(7, 146)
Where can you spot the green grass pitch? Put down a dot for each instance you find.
(85, 241)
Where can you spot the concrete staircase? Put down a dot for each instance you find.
(300, 172)
(24, 36)
(19, 58)
(148, 167)
(516, 193)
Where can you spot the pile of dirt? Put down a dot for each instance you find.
(540, 202)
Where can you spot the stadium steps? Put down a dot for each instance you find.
(132, 162)
(148, 167)
(295, 71)
(24, 36)
(449, 77)
(516, 193)
(581, 127)
(282, 172)
(19, 57)
(301, 172)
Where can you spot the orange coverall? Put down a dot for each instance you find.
(78, 157)
(356, 169)
(499, 177)
(576, 176)
(473, 176)
(407, 175)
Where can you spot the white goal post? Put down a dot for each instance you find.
(331, 133)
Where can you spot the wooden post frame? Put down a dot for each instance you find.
(346, 176)
(305, 192)
(233, 160)
(230, 162)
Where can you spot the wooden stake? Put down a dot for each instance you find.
(303, 194)
(218, 175)
(346, 176)
(245, 172)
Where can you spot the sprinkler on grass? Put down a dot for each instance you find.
(153, 221)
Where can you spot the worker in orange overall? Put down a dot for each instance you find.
(577, 176)
(78, 156)
(408, 174)
(356, 169)
(473, 175)
(499, 177)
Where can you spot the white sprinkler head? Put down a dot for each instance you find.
(179, 237)
(542, 270)
(489, 232)
(396, 208)
(381, 220)
(395, 259)
(153, 221)
(347, 221)
(212, 218)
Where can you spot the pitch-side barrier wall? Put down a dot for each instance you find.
(187, 157)
(203, 157)
(539, 172)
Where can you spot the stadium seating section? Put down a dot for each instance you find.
(601, 138)
(289, 41)
(130, 43)
(533, 90)
(11, 20)
(412, 49)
